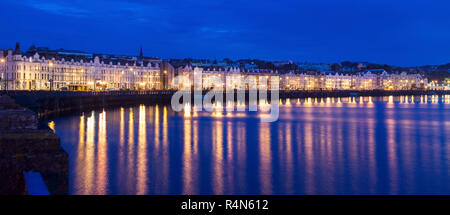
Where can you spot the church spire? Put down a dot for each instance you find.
(141, 53)
(17, 50)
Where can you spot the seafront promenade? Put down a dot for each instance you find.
(46, 103)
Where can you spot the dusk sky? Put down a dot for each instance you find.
(400, 32)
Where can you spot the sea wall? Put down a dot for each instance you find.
(47, 103)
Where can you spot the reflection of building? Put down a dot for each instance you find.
(43, 69)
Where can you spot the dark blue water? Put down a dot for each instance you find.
(391, 146)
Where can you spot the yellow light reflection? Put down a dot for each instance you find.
(157, 126)
(265, 157)
(51, 125)
(187, 110)
(102, 158)
(218, 184)
(288, 102)
(289, 159)
(164, 187)
(370, 103)
(89, 156)
(217, 114)
(230, 146)
(130, 153)
(390, 103)
(309, 159)
(142, 153)
(242, 154)
(80, 181)
(392, 154)
(188, 180)
(371, 123)
(194, 111)
(121, 160)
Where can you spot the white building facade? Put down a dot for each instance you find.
(20, 72)
(302, 81)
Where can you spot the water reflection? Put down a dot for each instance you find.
(229, 157)
(288, 154)
(353, 145)
(165, 179)
(142, 153)
(130, 169)
(121, 157)
(265, 159)
(392, 154)
(188, 182)
(102, 159)
(89, 150)
(309, 159)
(217, 153)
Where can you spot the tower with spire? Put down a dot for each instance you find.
(17, 50)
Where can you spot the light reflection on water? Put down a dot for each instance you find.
(355, 145)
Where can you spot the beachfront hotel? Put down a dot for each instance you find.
(45, 69)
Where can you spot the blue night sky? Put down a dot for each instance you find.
(401, 32)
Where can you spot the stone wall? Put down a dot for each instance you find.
(26, 147)
(18, 120)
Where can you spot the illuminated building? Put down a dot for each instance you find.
(42, 69)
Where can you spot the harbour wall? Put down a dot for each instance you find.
(26, 146)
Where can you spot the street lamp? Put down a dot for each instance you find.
(53, 75)
(3, 63)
